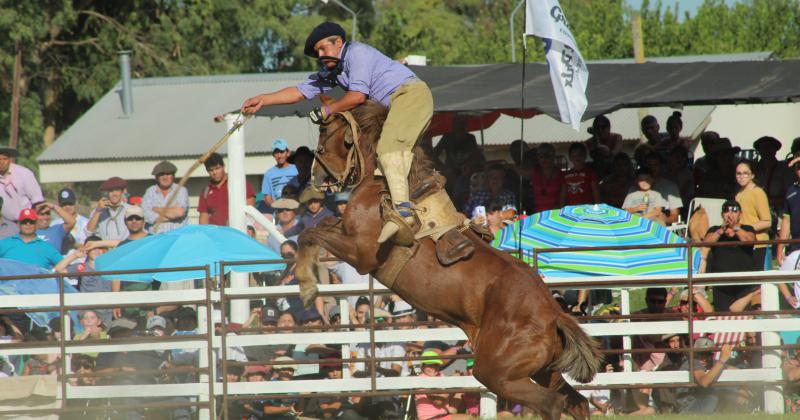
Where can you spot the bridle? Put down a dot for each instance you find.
(353, 172)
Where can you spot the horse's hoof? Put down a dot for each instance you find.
(308, 294)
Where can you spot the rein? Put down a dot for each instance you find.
(353, 173)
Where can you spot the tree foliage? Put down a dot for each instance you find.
(70, 47)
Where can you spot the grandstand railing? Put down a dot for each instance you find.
(201, 394)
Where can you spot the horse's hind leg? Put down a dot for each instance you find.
(506, 371)
(576, 404)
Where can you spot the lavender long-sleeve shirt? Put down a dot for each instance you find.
(19, 190)
(365, 70)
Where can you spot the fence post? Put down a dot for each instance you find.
(773, 394)
(344, 320)
(625, 309)
(488, 405)
(203, 362)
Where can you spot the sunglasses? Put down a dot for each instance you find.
(44, 213)
(28, 222)
(133, 218)
(734, 209)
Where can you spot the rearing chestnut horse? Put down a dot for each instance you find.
(518, 332)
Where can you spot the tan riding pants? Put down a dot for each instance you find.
(409, 116)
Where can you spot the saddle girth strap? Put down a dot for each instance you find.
(397, 260)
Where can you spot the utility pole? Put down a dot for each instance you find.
(638, 54)
(15, 94)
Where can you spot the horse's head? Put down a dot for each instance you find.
(345, 150)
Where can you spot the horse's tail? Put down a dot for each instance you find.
(307, 262)
(581, 356)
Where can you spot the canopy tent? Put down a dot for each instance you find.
(489, 90)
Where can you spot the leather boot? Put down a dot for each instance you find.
(395, 167)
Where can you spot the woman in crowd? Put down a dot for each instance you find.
(673, 138)
(755, 209)
(434, 406)
(602, 136)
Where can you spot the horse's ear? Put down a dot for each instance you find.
(326, 100)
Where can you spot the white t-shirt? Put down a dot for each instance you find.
(349, 275)
(385, 350)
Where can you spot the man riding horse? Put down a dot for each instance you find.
(366, 73)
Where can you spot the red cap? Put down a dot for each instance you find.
(27, 214)
(255, 369)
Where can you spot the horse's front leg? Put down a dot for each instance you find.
(328, 235)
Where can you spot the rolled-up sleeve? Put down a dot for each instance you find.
(314, 86)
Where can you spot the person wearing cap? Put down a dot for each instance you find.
(286, 216)
(68, 201)
(340, 199)
(159, 218)
(365, 73)
(278, 176)
(315, 211)
(213, 202)
(705, 372)
(727, 259)
(284, 408)
(431, 406)
(108, 218)
(18, 186)
(26, 246)
(53, 234)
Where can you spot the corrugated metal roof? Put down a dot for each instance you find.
(173, 118)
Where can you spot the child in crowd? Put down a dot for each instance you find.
(434, 406)
(644, 201)
(580, 181)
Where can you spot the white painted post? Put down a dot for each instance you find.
(488, 406)
(773, 394)
(237, 201)
(344, 319)
(625, 309)
(202, 362)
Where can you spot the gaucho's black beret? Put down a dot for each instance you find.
(322, 31)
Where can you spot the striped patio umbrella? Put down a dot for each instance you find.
(596, 225)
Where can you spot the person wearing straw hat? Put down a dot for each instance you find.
(19, 189)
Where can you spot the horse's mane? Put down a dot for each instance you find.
(370, 117)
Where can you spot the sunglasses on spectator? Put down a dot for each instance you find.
(727, 209)
(133, 218)
(44, 213)
(28, 222)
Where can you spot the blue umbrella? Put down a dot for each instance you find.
(10, 268)
(596, 225)
(189, 246)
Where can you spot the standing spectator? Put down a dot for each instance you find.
(602, 136)
(341, 199)
(702, 164)
(68, 201)
(727, 259)
(616, 186)
(18, 186)
(678, 172)
(315, 211)
(547, 181)
(108, 218)
(495, 182)
(26, 246)
(213, 202)
(580, 182)
(774, 176)
(651, 130)
(159, 218)
(302, 159)
(754, 210)
(87, 281)
(55, 234)
(669, 190)
(719, 180)
(790, 214)
(673, 138)
(279, 175)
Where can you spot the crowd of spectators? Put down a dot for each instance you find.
(656, 181)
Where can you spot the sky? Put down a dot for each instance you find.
(684, 5)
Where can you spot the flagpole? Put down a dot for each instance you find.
(521, 136)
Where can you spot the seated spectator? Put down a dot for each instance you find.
(92, 327)
(495, 182)
(705, 372)
(726, 259)
(493, 219)
(285, 408)
(791, 373)
(644, 201)
(236, 409)
(344, 273)
(88, 283)
(254, 409)
(331, 407)
(667, 399)
(213, 201)
(669, 190)
(286, 215)
(68, 201)
(26, 246)
(434, 406)
(55, 234)
(83, 364)
(19, 190)
(614, 187)
(108, 218)
(580, 181)
(701, 305)
(602, 136)
(315, 211)
(158, 217)
(656, 300)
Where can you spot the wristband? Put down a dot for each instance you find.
(326, 112)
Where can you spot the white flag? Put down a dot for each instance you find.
(568, 72)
